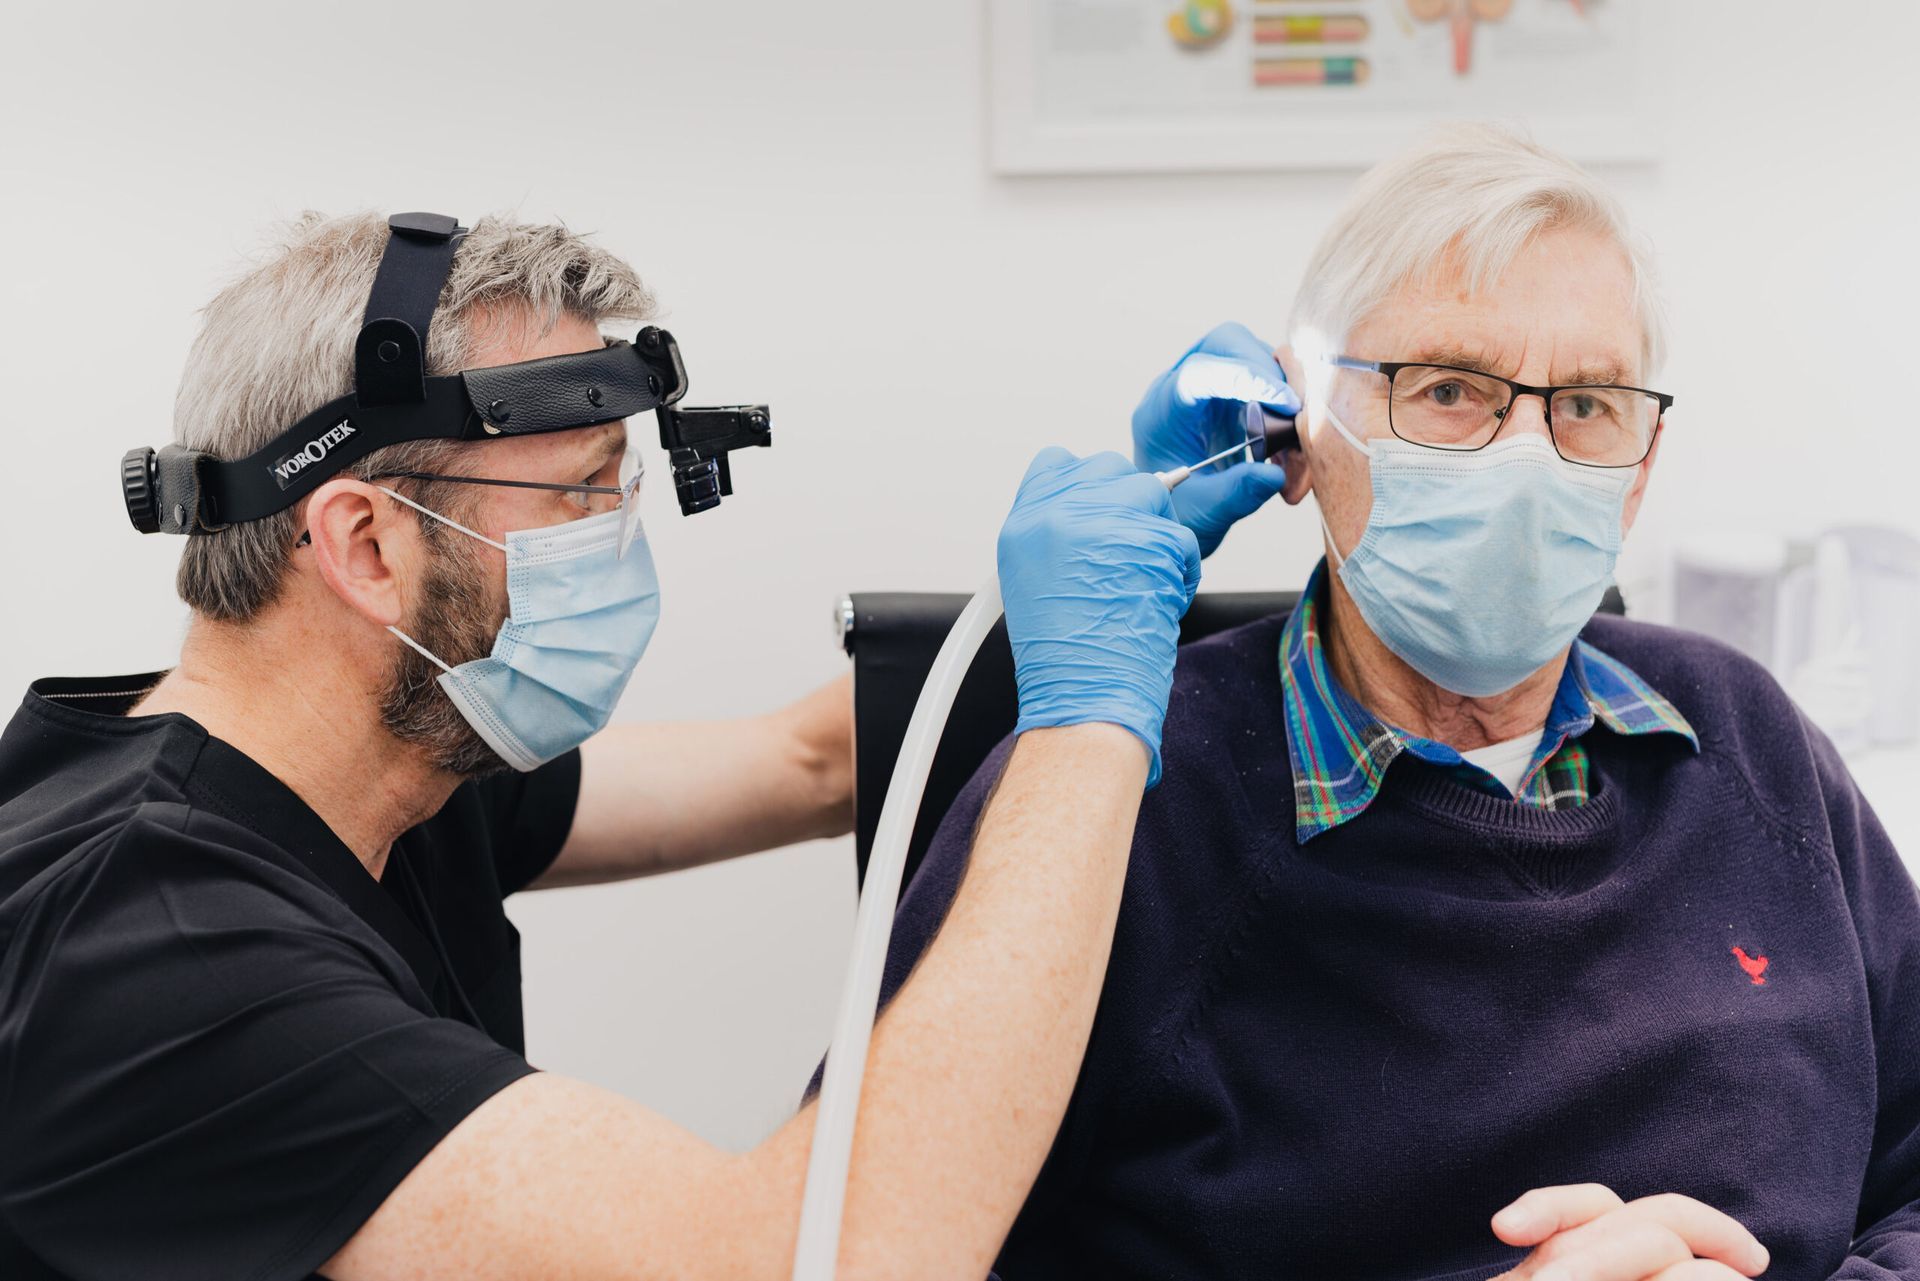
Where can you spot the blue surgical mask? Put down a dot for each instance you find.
(1477, 567)
(581, 607)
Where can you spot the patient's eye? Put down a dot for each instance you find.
(1446, 408)
(1586, 406)
(1449, 391)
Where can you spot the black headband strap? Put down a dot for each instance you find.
(390, 358)
(184, 491)
(553, 393)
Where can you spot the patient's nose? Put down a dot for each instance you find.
(1526, 415)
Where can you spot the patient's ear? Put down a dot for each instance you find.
(1296, 463)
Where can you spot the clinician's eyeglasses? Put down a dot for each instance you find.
(1447, 407)
(592, 500)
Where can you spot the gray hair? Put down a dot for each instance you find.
(1478, 193)
(277, 344)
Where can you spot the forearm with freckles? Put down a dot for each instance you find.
(973, 1063)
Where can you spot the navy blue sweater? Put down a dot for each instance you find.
(1338, 1060)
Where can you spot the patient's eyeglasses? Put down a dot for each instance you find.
(1447, 407)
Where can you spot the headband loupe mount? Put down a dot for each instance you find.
(180, 491)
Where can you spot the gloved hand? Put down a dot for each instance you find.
(1096, 574)
(1195, 409)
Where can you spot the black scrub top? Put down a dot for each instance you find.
(223, 1043)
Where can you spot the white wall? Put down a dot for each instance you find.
(807, 189)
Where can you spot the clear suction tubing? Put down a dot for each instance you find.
(820, 1212)
(818, 1247)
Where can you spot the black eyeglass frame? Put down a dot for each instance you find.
(1516, 390)
(306, 535)
(517, 484)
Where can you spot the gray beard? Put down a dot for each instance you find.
(451, 620)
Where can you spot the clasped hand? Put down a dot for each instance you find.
(1585, 1232)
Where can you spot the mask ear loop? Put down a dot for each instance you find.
(1326, 409)
(428, 511)
(421, 650)
(415, 645)
(1332, 547)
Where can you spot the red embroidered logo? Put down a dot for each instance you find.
(1755, 966)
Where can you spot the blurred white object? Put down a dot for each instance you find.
(1886, 581)
(1820, 656)
(1727, 585)
(1836, 620)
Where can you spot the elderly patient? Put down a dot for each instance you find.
(1455, 901)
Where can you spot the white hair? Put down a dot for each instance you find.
(278, 342)
(1471, 195)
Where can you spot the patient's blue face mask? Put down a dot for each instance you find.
(1477, 567)
(583, 600)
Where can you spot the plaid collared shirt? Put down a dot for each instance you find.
(1341, 752)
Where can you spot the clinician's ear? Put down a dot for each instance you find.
(1296, 462)
(362, 539)
(1644, 473)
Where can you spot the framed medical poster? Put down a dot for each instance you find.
(1114, 86)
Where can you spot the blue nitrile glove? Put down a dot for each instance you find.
(1194, 410)
(1096, 574)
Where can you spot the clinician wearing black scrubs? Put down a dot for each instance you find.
(259, 1001)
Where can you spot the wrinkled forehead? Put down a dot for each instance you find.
(1564, 311)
